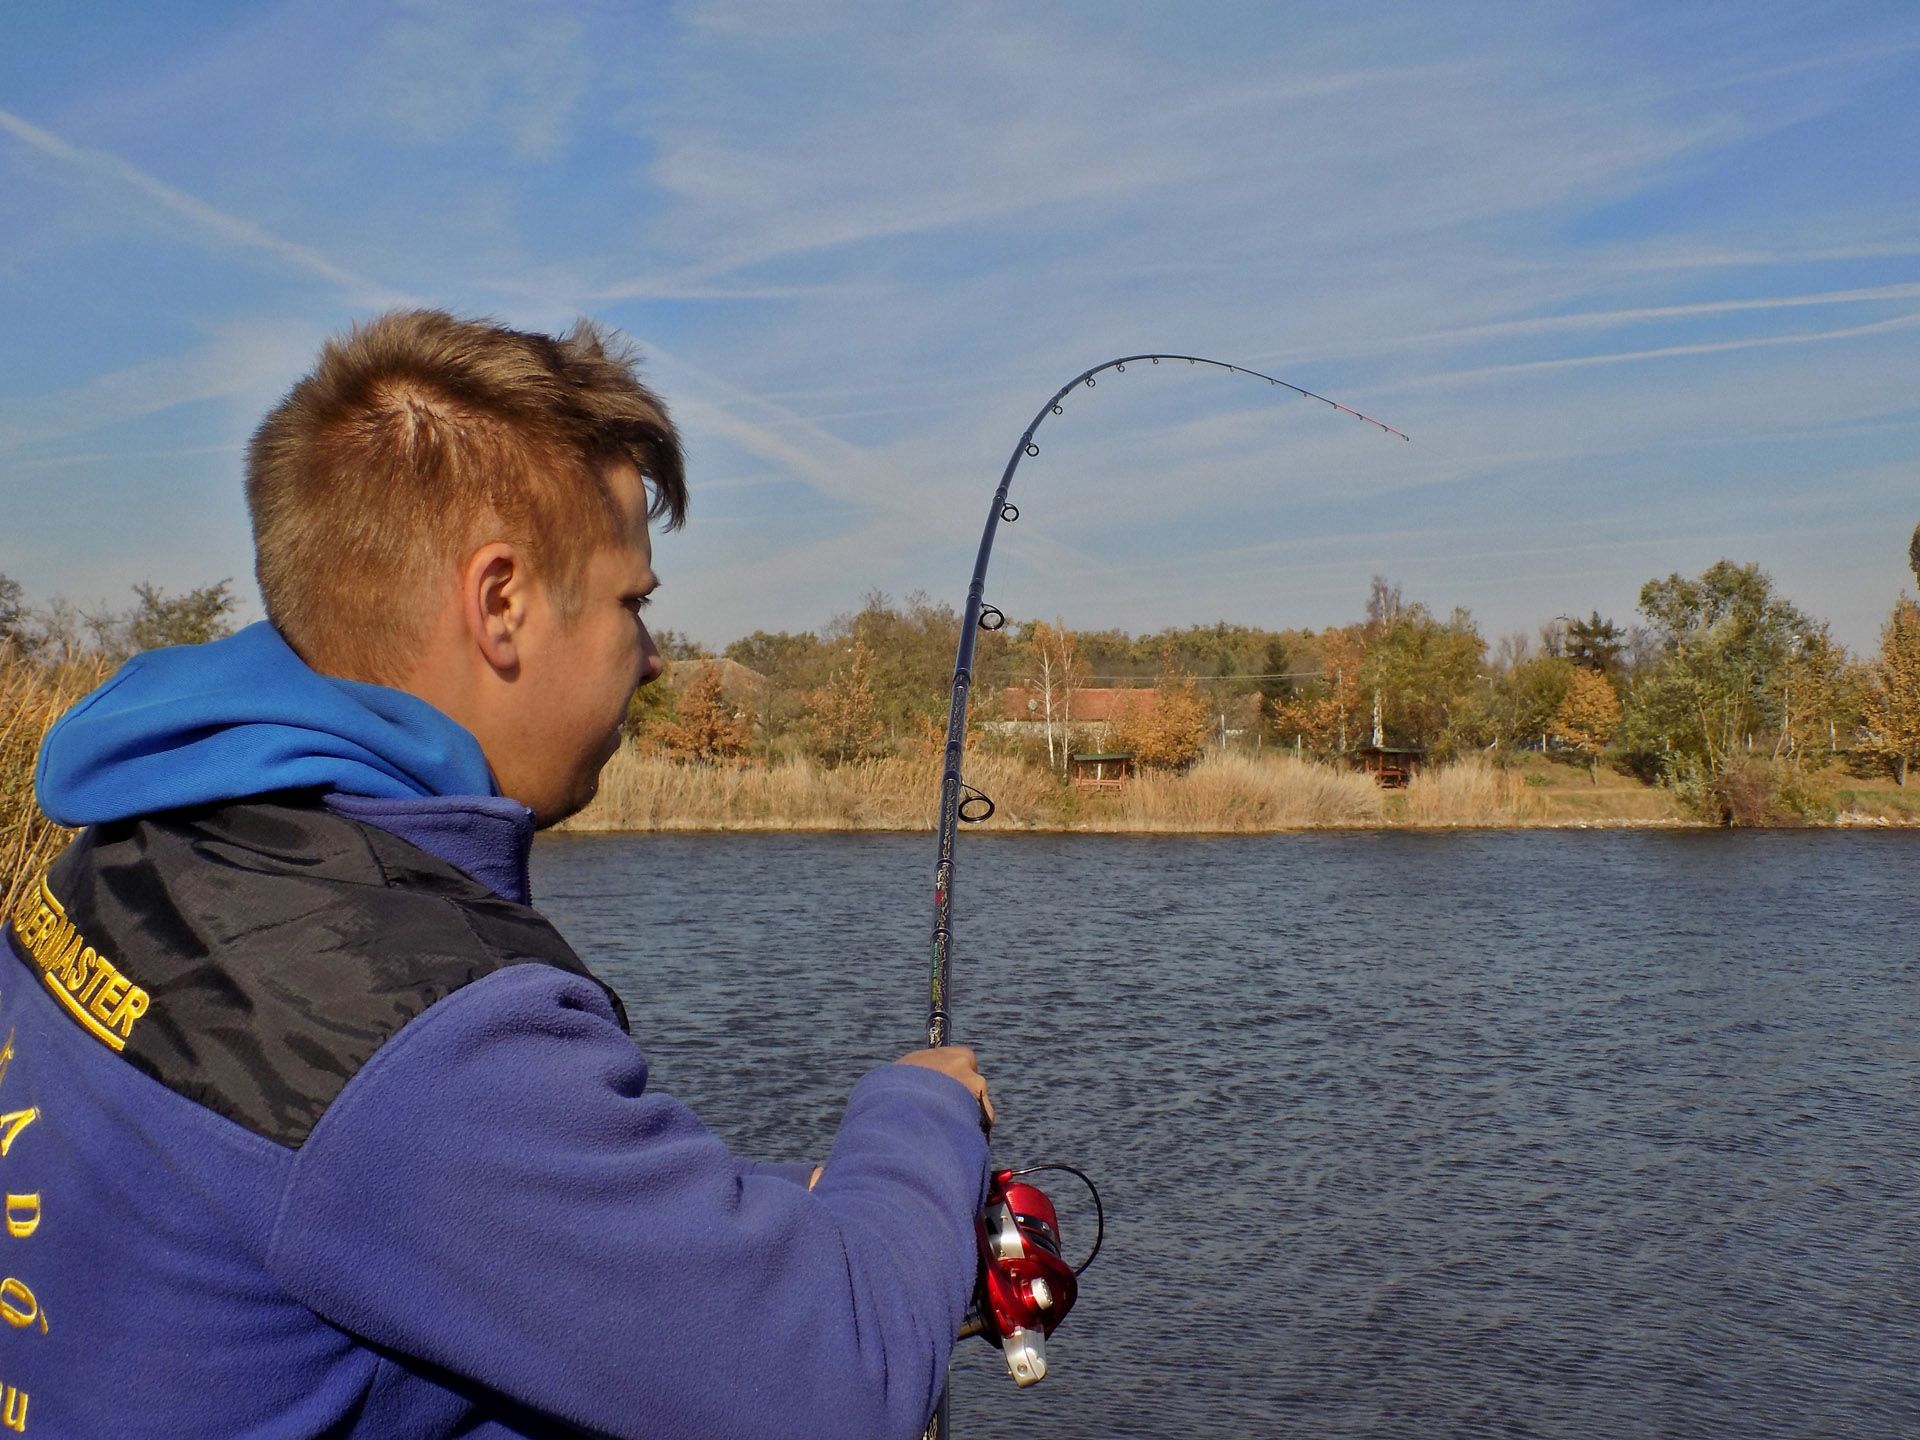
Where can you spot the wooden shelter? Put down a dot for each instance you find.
(1391, 766)
(1105, 770)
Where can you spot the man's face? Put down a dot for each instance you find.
(578, 674)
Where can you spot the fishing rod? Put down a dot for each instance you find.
(1026, 1287)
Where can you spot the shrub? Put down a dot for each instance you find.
(32, 696)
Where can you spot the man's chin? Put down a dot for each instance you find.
(572, 808)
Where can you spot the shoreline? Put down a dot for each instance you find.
(1223, 795)
(764, 827)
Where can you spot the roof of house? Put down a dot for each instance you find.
(737, 681)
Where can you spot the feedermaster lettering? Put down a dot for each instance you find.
(91, 988)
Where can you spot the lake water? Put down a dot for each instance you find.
(1484, 1134)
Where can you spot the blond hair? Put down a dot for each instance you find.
(417, 432)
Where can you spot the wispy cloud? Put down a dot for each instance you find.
(240, 360)
(1568, 253)
(1673, 352)
(201, 218)
(444, 69)
(1613, 319)
(1707, 256)
(122, 457)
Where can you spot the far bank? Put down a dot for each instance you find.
(1222, 794)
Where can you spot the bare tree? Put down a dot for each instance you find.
(1057, 669)
(1383, 602)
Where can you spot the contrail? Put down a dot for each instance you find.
(231, 230)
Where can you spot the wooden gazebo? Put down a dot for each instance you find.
(1391, 766)
(1103, 770)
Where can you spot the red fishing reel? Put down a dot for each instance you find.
(1026, 1285)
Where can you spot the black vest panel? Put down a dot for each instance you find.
(253, 956)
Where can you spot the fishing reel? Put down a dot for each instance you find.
(1026, 1286)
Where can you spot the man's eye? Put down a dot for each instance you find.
(637, 603)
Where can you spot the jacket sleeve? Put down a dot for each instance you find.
(498, 1194)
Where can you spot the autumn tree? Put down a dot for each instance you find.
(1169, 734)
(1728, 646)
(1893, 694)
(1331, 713)
(844, 721)
(1317, 719)
(1422, 668)
(1822, 695)
(1589, 715)
(793, 664)
(649, 707)
(1738, 667)
(910, 649)
(676, 645)
(706, 727)
(1518, 703)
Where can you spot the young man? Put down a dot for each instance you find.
(309, 1125)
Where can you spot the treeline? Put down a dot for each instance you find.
(61, 631)
(1723, 690)
(877, 681)
(1719, 688)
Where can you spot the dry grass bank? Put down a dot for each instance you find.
(1242, 793)
(1876, 801)
(1222, 794)
(642, 792)
(1473, 792)
(32, 697)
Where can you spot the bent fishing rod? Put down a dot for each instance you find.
(1026, 1288)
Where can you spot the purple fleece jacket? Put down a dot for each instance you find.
(497, 1228)
(590, 1248)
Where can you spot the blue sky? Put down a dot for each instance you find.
(1641, 280)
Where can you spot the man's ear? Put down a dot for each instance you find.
(493, 601)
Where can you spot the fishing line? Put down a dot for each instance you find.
(960, 802)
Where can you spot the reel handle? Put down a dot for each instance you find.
(1026, 1286)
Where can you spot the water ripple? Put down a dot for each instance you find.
(1583, 1135)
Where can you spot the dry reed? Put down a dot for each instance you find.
(1243, 793)
(1222, 793)
(32, 696)
(1471, 792)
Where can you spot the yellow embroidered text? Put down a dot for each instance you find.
(18, 1307)
(80, 977)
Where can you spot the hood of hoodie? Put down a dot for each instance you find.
(200, 724)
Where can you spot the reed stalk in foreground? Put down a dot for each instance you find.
(32, 696)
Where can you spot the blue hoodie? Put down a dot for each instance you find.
(495, 1228)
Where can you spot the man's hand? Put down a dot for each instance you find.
(961, 1063)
